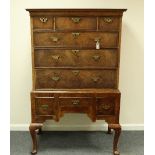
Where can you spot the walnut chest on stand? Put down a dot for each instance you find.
(75, 66)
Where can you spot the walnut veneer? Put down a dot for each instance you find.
(75, 66)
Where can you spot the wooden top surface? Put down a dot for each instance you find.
(78, 91)
(72, 9)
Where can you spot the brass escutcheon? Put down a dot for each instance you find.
(96, 57)
(76, 72)
(76, 19)
(55, 39)
(75, 34)
(106, 106)
(75, 102)
(43, 19)
(107, 19)
(76, 52)
(97, 39)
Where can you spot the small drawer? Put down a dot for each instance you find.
(76, 23)
(75, 104)
(44, 106)
(109, 23)
(42, 22)
(105, 106)
(75, 101)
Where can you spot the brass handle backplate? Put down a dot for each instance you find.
(106, 106)
(76, 19)
(56, 57)
(96, 57)
(75, 34)
(97, 39)
(75, 102)
(55, 78)
(55, 39)
(45, 106)
(75, 52)
(107, 19)
(43, 19)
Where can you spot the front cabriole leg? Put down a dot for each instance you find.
(117, 129)
(33, 128)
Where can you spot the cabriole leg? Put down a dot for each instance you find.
(33, 127)
(117, 129)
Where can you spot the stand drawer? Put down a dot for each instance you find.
(44, 106)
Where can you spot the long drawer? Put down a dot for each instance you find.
(75, 58)
(76, 39)
(58, 78)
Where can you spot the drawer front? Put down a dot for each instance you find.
(105, 106)
(75, 104)
(44, 106)
(109, 23)
(75, 58)
(49, 78)
(42, 22)
(76, 39)
(75, 101)
(76, 23)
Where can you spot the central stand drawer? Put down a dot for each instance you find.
(75, 104)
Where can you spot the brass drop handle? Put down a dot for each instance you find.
(75, 34)
(107, 19)
(55, 39)
(45, 106)
(76, 19)
(75, 52)
(97, 40)
(96, 57)
(55, 78)
(43, 19)
(106, 106)
(56, 57)
(75, 102)
(95, 79)
(76, 72)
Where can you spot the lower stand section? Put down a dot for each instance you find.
(117, 129)
(33, 131)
